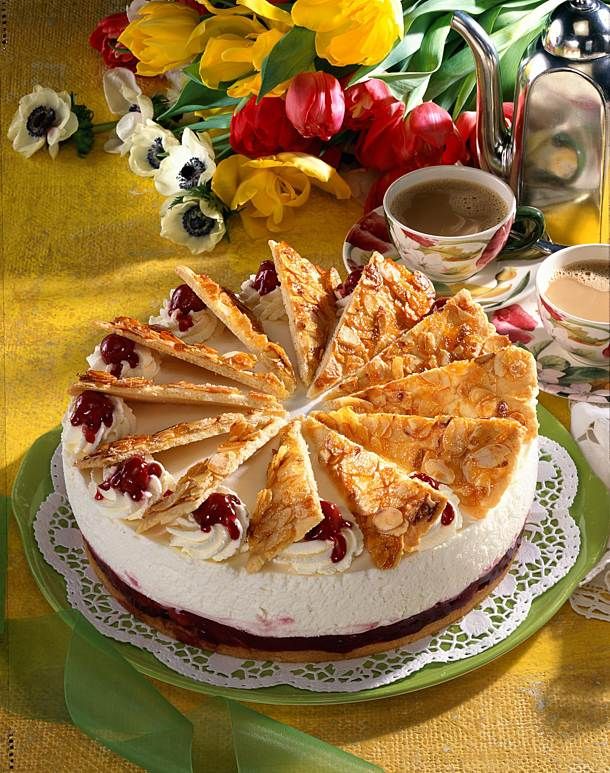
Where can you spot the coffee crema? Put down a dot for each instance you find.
(449, 208)
(582, 289)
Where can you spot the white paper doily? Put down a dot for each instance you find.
(550, 546)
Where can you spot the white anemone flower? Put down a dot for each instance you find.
(195, 223)
(125, 98)
(186, 166)
(43, 117)
(149, 146)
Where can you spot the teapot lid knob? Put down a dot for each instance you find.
(578, 30)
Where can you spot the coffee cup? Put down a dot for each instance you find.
(576, 315)
(455, 257)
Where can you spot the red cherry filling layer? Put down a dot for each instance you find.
(266, 279)
(91, 410)
(184, 301)
(448, 514)
(131, 477)
(116, 350)
(438, 304)
(347, 288)
(330, 529)
(222, 509)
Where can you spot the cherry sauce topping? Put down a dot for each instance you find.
(438, 304)
(184, 301)
(222, 509)
(91, 410)
(266, 279)
(116, 350)
(131, 477)
(330, 528)
(347, 288)
(448, 514)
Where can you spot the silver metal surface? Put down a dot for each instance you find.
(558, 158)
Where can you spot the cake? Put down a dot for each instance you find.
(306, 470)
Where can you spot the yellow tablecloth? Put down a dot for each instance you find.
(81, 242)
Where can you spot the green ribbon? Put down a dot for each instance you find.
(59, 668)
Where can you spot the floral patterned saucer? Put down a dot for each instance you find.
(506, 290)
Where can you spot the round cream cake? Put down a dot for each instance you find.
(369, 510)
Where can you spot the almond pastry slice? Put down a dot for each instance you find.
(177, 435)
(502, 385)
(180, 392)
(474, 457)
(238, 366)
(387, 300)
(458, 331)
(308, 292)
(241, 322)
(246, 436)
(289, 506)
(392, 510)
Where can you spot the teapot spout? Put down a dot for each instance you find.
(493, 138)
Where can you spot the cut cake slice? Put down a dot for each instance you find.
(393, 510)
(245, 437)
(241, 322)
(457, 331)
(387, 300)
(289, 506)
(238, 366)
(309, 298)
(502, 385)
(476, 458)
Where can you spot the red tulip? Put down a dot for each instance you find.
(467, 126)
(104, 39)
(383, 145)
(433, 138)
(315, 104)
(377, 190)
(359, 102)
(263, 129)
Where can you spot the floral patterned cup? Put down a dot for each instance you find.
(587, 341)
(456, 258)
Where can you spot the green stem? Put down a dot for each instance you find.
(98, 128)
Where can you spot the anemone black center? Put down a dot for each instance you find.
(134, 109)
(40, 120)
(196, 223)
(155, 153)
(189, 175)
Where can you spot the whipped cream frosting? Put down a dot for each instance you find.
(269, 307)
(213, 545)
(117, 505)
(147, 367)
(203, 327)
(314, 556)
(440, 533)
(74, 440)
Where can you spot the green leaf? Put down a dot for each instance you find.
(292, 54)
(222, 121)
(83, 136)
(429, 58)
(196, 96)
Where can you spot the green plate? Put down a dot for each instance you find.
(590, 510)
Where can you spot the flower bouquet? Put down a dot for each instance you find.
(262, 100)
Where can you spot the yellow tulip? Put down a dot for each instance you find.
(234, 47)
(160, 37)
(351, 31)
(267, 190)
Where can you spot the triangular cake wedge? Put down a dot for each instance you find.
(241, 322)
(289, 506)
(180, 392)
(245, 437)
(308, 292)
(476, 458)
(387, 300)
(170, 437)
(238, 366)
(393, 510)
(502, 385)
(457, 331)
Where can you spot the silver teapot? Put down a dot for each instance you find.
(556, 157)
